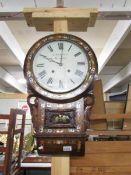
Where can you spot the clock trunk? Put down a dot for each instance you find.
(59, 128)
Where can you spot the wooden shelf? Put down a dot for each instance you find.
(110, 116)
(110, 124)
(110, 133)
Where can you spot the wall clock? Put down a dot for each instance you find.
(60, 71)
(60, 68)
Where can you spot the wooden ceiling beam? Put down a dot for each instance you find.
(11, 42)
(118, 35)
(8, 78)
(14, 46)
(78, 18)
(102, 15)
(119, 77)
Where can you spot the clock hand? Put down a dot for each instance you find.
(54, 61)
(50, 59)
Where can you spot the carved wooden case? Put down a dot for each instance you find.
(60, 117)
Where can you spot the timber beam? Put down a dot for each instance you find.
(42, 19)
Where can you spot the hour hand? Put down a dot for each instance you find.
(50, 59)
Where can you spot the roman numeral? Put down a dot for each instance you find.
(81, 63)
(42, 74)
(40, 65)
(72, 81)
(77, 54)
(78, 73)
(50, 48)
(69, 48)
(60, 84)
(50, 81)
(60, 46)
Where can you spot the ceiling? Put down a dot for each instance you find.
(110, 39)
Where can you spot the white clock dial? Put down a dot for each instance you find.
(60, 66)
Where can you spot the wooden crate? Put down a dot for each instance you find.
(115, 107)
(103, 158)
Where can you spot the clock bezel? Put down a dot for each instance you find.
(69, 96)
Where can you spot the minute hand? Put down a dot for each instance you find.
(50, 59)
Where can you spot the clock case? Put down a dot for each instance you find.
(60, 120)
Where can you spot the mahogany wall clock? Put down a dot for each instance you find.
(60, 71)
